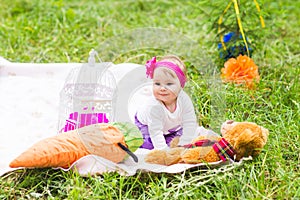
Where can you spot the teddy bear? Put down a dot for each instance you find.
(238, 140)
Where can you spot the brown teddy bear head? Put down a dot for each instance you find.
(247, 138)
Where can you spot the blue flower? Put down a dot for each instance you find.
(228, 36)
(232, 50)
(219, 45)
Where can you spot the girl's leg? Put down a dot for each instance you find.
(145, 132)
(172, 135)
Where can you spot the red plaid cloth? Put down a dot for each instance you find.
(199, 143)
(224, 150)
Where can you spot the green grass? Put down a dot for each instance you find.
(65, 31)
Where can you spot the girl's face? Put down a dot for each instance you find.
(166, 85)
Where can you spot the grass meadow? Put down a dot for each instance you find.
(65, 31)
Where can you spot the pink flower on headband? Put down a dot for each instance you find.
(150, 66)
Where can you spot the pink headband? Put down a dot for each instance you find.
(151, 65)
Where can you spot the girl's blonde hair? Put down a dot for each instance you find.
(176, 60)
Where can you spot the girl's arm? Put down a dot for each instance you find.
(156, 120)
(189, 120)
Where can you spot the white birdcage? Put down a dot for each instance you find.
(88, 95)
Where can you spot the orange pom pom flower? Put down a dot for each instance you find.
(241, 70)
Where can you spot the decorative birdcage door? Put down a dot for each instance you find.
(88, 97)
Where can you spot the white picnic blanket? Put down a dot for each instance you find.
(91, 165)
(29, 96)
